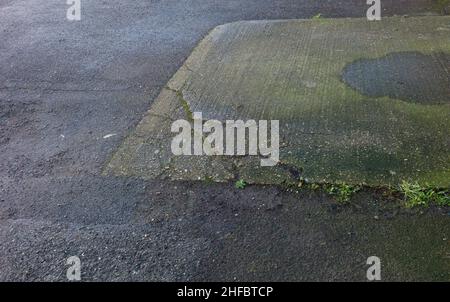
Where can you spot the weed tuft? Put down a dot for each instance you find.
(416, 195)
(342, 192)
(240, 184)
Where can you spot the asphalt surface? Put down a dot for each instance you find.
(65, 86)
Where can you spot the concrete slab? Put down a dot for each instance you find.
(312, 76)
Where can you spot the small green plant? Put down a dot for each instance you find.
(342, 192)
(318, 16)
(240, 184)
(442, 198)
(417, 195)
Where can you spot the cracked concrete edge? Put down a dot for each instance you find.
(172, 100)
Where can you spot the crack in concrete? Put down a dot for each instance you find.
(183, 102)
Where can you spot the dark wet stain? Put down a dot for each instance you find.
(408, 76)
(295, 172)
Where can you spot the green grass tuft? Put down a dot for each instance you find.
(417, 195)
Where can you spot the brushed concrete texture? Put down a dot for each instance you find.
(292, 71)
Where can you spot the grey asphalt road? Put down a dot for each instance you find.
(65, 86)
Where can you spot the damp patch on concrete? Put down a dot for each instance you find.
(408, 76)
(291, 71)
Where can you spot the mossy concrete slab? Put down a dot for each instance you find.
(312, 76)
